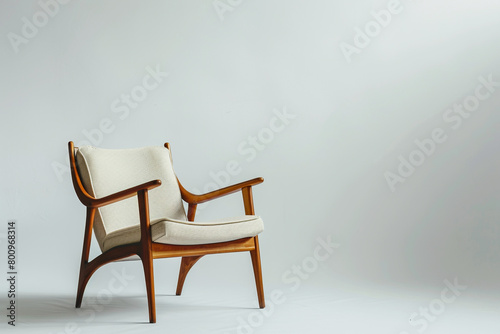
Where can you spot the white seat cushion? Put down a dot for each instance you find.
(182, 232)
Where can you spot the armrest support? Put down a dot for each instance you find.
(124, 194)
(193, 199)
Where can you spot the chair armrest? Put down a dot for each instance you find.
(124, 194)
(197, 199)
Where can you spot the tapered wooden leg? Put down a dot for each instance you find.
(150, 288)
(255, 254)
(257, 270)
(146, 252)
(186, 264)
(82, 283)
(84, 274)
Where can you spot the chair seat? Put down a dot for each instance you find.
(182, 232)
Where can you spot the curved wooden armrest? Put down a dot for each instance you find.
(197, 199)
(124, 194)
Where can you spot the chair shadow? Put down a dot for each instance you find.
(60, 311)
(45, 309)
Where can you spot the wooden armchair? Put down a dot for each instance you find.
(134, 206)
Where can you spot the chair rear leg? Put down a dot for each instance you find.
(257, 270)
(82, 283)
(84, 272)
(187, 263)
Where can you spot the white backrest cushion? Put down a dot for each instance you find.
(105, 171)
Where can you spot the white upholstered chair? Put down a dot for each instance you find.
(135, 207)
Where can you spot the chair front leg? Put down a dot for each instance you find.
(255, 254)
(147, 253)
(150, 286)
(257, 271)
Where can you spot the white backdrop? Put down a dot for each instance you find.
(374, 122)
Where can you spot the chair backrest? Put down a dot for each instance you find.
(106, 171)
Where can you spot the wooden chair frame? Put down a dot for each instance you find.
(148, 250)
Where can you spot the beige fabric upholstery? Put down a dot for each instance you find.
(105, 171)
(181, 232)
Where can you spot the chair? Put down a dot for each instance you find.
(134, 206)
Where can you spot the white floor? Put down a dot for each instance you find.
(334, 309)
